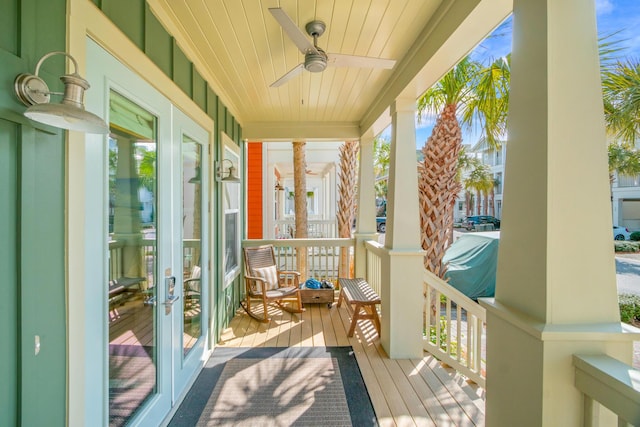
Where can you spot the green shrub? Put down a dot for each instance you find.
(635, 236)
(624, 246)
(629, 307)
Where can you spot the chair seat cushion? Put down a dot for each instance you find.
(281, 292)
(270, 276)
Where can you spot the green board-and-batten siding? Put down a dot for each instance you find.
(32, 225)
(137, 21)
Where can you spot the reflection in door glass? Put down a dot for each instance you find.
(191, 240)
(132, 258)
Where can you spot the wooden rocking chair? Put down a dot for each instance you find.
(266, 283)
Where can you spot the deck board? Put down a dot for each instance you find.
(416, 392)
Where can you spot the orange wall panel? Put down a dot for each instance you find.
(254, 190)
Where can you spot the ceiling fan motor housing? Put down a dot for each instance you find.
(315, 62)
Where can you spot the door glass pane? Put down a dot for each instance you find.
(132, 258)
(191, 241)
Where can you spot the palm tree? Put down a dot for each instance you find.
(621, 95)
(381, 152)
(479, 180)
(347, 201)
(300, 201)
(466, 162)
(481, 94)
(623, 160)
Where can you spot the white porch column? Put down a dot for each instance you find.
(366, 210)
(556, 291)
(402, 267)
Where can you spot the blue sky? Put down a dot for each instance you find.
(622, 16)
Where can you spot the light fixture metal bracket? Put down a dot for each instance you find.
(70, 114)
(32, 90)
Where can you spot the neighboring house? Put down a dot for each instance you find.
(271, 192)
(625, 201)
(495, 159)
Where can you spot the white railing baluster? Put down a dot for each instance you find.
(468, 357)
(448, 325)
(316, 229)
(477, 354)
(458, 330)
(322, 255)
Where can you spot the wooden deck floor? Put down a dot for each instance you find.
(412, 392)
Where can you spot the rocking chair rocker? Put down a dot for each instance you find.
(264, 282)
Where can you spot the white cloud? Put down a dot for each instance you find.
(604, 7)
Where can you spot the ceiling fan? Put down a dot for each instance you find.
(316, 59)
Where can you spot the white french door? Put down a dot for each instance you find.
(153, 314)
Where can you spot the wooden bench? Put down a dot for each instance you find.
(361, 301)
(121, 289)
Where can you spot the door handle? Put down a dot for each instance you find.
(151, 301)
(170, 300)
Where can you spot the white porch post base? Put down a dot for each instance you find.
(402, 301)
(542, 393)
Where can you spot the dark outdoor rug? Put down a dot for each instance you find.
(277, 386)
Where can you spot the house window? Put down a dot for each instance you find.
(498, 183)
(499, 156)
(231, 206)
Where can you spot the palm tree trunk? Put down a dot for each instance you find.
(347, 202)
(492, 204)
(485, 207)
(438, 187)
(478, 200)
(300, 201)
(437, 192)
(468, 202)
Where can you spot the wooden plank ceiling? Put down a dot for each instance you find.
(244, 50)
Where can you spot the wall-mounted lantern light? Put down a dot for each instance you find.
(228, 175)
(70, 113)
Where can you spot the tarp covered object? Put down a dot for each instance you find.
(472, 262)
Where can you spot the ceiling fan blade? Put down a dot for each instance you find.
(292, 30)
(339, 60)
(288, 76)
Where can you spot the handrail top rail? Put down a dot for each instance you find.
(300, 243)
(454, 295)
(310, 221)
(610, 382)
(374, 246)
(616, 374)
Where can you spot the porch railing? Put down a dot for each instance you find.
(147, 254)
(316, 229)
(608, 381)
(455, 332)
(323, 255)
(374, 265)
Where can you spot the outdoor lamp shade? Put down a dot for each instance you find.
(70, 113)
(66, 116)
(231, 174)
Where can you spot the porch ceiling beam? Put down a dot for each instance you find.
(455, 29)
(309, 131)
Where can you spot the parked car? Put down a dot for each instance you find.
(621, 233)
(471, 221)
